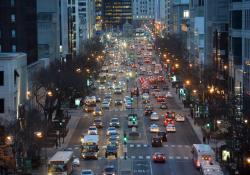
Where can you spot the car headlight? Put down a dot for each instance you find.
(49, 173)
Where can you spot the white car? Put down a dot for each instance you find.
(101, 87)
(154, 116)
(154, 128)
(169, 95)
(145, 96)
(92, 130)
(111, 130)
(87, 172)
(170, 128)
(105, 105)
(76, 162)
(179, 118)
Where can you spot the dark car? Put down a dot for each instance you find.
(156, 141)
(109, 170)
(148, 110)
(111, 150)
(114, 122)
(163, 105)
(98, 123)
(118, 102)
(163, 136)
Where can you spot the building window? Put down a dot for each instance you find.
(13, 33)
(247, 19)
(237, 19)
(13, 48)
(1, 78)
(12, 3)
(1, 105)
(13, 18)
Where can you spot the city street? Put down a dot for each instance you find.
(139, 155)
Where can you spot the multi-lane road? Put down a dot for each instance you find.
(139, 155)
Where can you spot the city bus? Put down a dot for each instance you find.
(61, 163)
(202, 152)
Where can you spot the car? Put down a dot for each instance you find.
(170, 128)
(145, 96)
(92, 130)
(154, 116)
(114, 134)
(179, 118)
(105, 105)
(118, 102)
(89, 109)
(168, 121)
(109, 170)
(114, 122)
(117, 90)
(98, 123)
(76, 161)
(97, 112)
(159, 157)
(129, 105)
(101, 87)
(169, 95)
(111, 150)
(156, 141)
(148, 109)
(163, 136)
(98, 99)
(154, 128)
(113, 140)
(87, 172)
(155, 92)
(111, 130)
(160, 98)
(163, 105)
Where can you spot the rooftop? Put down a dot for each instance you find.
(9, 55)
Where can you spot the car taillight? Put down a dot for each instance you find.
(197, 163)
(154, 157)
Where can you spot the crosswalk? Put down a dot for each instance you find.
(164, 145)
(148, 157)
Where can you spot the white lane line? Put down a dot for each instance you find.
(132, 157)
(165, 145)
(151, 169)
(131, 145)
(122, 157)
(186, 158)
(148, 157)
(170, 157)
(140, 157)
(178, 157)
(187, 146)
(172, 145)
(138, 145)
(180, 146)
(145, 145)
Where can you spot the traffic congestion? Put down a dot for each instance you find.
(132, 121)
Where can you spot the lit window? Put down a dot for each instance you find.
(12, 3)
(13, 33)
(13, 18)
(13, 48)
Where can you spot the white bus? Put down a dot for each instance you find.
(61, 163)
(202, 152)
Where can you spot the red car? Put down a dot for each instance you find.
(159, 157)
(168, 121)
(161, 99)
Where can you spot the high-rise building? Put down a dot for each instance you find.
(98, 16)
(18, 27)
(52, 22)
(143, 10)
(116, 13)
(81, 23)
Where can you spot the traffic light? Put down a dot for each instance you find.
(125, 139)
(208, 125)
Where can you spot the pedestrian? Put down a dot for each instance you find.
(208, 138)
(56, 144)
(204, 139)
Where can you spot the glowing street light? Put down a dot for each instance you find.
(187, 82)
(177, 65)
(38, 134)
(49, 93)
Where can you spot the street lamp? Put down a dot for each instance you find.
(38, 134)
(188, 82)
(177, 65)
(49, 93)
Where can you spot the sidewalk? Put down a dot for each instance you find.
(76, 115)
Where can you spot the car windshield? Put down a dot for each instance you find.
(109, 169)
(115, 120)
(87, 172)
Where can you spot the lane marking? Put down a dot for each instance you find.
(145, 145)
(131, 145)
(165, 145)
(138, 145)
(178, 157)
(186, 158)
(170, 157)
(140, 157)
(180, 146)
(172, 145)
(132, 157)
(148, 157)
(151, 169)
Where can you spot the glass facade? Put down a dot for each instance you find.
(117, 12)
